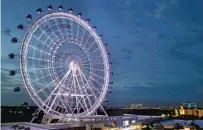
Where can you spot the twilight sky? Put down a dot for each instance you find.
(156, 47)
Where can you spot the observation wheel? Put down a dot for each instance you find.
(64, 65)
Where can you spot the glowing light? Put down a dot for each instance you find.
(125, 128)
(133, 121)
(125, 123)
(144, 126)
(163, 115)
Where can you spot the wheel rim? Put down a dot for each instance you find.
(83, 51)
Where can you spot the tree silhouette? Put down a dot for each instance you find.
(194, 126)
(177, 126)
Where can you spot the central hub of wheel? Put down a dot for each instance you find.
(73, 66)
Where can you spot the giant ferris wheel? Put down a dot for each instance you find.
(64, 64)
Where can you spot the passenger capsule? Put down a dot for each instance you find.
(70, 10)
(16, 89)
(39, 11)
(12, 73)
(49, 8)
(110, 92)
(87, 20)
(111, 82)
(94, 28)
(11, 56)
(100, 35)
(79, 15)
(14, 40)
(60, 7)
(20, 27)
(105, 100)
(29, 17)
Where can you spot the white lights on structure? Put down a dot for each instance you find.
(125, 129)
(125, 123)
(64, 64)
(163, 115)
(133, 121)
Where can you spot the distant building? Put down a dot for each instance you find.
(189, 105)
(189, 109)
(136, 106)
(144, 106)
(139, 106)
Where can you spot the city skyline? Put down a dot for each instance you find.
(156, 48)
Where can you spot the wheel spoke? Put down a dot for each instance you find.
(97, 63)
(45, 68)
(82, 92)
(33, 47)
(53, 81)
(101, 70)
(101, 85)
(58, 87)
(96, 75)
(47, 76)
(92, 59)
(77, 100)
(87, 83)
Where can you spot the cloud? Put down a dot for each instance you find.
(178, 51)
(18, 18)
(115, 63)
(156, 11)
(127, 51)
(129, 85)
(6, 89)
(159, 10)
(6, 31)
(196, 28)
(127, 54)
(9, 82)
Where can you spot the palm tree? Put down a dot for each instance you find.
(194, 126)
(15, 126)
(177, 126)
(158, 126)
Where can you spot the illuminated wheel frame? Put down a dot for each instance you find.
(64, 65)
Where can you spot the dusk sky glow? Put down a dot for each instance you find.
(156, 47)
